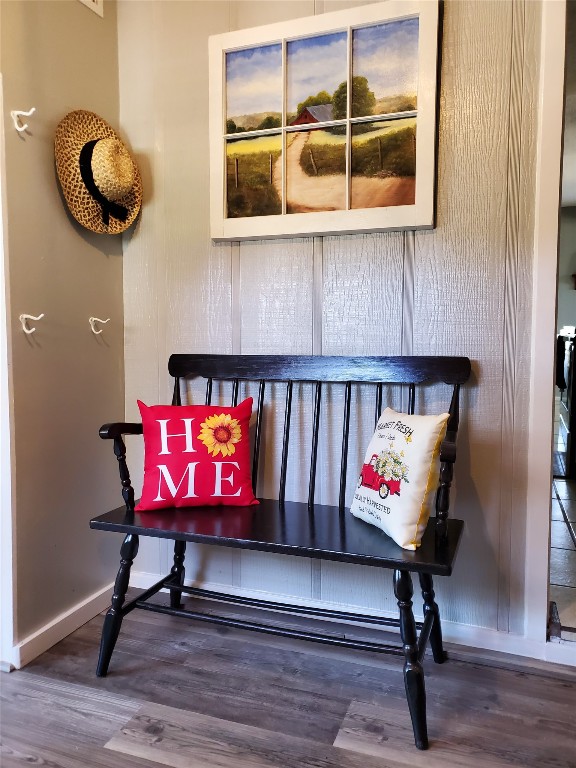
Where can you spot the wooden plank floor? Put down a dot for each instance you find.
(192, 695)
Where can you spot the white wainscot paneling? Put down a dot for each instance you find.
(527, 79)
(362, 294)
(278, 574)
(276, 297)
(362, 586)
(460, 279)
(338, 295)
(205, 564)
(276, 315)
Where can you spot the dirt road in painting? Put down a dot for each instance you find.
(379, 193)
(308, 193)
(327, 193)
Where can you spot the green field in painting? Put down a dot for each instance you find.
(324, 154)
(253, 146)
(253, 192)
(385, 153)
(326, 137)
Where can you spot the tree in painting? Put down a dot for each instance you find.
(363, 99)
(322, 97)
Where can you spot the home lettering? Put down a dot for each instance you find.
(219, 478)
(223, 471)
(187, 434)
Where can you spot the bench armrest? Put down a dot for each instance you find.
(114, 432)
(117, 429)
(448, 450)
(447, 461)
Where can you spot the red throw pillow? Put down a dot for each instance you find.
(196, 455)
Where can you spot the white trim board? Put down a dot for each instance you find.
(60, 627)
(540, 429)
(7, 523)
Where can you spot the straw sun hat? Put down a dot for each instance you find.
(100, 181)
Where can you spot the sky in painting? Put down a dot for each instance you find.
(254, 80)
(387, 55)
(315, 64)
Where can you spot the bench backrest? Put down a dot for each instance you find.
(321, 370)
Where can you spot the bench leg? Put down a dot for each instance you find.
(413, 672)
(430, 606)
(177, 571)
(113, 620)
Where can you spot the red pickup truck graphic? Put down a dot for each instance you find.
(370, 478)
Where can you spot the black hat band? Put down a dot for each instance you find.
(109, 208)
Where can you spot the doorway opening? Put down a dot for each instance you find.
(563, 510)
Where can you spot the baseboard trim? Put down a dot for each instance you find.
(492, 641)
(483, 640)
(60, 627)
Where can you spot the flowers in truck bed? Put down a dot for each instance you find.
(390, 464)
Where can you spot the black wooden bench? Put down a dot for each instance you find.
(294, 528)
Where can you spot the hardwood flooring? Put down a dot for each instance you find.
(192, 695)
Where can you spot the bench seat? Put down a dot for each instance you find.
(290, 529)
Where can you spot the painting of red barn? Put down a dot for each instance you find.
(320, 113)
(330, 131)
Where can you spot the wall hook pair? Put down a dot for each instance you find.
(24, 318)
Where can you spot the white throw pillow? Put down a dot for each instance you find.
(398, 480)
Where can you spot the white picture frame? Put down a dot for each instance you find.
(376, 151)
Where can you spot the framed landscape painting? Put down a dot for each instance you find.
(325, 124)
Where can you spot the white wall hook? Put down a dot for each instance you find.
(93, 320)
(17, 114)
(24, 320)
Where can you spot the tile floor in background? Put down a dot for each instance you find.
(563, 532)
(563, 555)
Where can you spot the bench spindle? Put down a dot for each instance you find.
(257, 435)
(209, 391)
(235, 393)
(379, 389)
(447, 458)
(411, 398)
(314, 453)
(285, 441)
(454, 411)
(127, 490)
(177, 397)
(345, 436)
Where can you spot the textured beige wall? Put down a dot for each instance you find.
(59, 56)
(463, 288)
